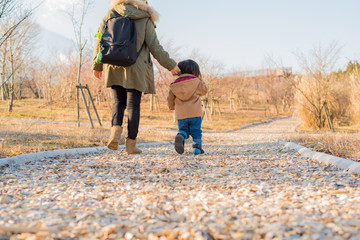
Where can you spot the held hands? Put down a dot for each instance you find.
(97, 74)
(175, 71)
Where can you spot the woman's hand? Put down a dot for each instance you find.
(175, 71)
(97, 74)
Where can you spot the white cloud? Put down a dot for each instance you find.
(60, 5)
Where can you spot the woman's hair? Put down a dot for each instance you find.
(189, 67)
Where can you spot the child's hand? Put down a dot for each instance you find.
(175, 71)
(97, 74)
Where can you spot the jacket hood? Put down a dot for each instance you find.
(184, 90)
(134, 9)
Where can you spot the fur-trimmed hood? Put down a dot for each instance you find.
(185, 89)
(120, 6)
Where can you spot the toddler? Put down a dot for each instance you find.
(185, 98)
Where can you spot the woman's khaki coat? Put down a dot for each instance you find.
(139, 76)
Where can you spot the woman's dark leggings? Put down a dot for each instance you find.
(130, 99)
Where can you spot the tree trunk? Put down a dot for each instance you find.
(11, 89)
(3, 92)
(78, 82)
(152, 102)
(3, 78)
(20, 91)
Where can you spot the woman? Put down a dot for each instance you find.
(128, 83)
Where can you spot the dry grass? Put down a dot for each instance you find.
(313, 92)
(341, 93)
(355, 97)
(20, 137)
(345, 145)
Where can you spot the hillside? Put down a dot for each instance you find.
(52, 44)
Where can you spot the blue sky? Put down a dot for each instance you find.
(239, 33)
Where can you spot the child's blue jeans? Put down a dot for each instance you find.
(191, 127)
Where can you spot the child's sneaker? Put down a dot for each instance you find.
(197, 149)
(179, 144)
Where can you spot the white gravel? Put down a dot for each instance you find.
(246, 186)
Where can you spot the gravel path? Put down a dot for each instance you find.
(246, 186)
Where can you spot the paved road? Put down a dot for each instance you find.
(246, 186)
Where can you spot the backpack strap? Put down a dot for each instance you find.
(142, 46)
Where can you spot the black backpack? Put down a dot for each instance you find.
(118, 42)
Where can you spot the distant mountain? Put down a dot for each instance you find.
(51, 44)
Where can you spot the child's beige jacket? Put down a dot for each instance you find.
(185, 96)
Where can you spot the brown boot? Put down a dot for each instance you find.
(115, 135)
(130, 146)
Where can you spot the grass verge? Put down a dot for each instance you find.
(21, 137)
(341, 144)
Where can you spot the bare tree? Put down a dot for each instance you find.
(314, 88)
(4, 70)
(163, 80)
(320, 59)
(9, 9)
(211, 73)
(13, 14)
(354, 76)
(240, 87)
(163, 77)
(77, 13)
(15, 53)
(279, 84)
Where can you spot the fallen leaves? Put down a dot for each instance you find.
(247, 187)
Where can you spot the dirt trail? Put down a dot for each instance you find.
(246, 186)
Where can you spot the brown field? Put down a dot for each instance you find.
(21, 132)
